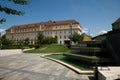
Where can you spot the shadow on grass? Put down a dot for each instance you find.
(75, 63)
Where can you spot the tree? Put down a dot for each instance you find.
(55, 39)
(40, 38)
(20, 42)
(26, 41)
(76, 37)
(8, 10)
(6, 42)
(49, 40)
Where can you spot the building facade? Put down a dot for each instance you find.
(60, 29)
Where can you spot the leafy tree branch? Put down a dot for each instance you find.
(9, 11)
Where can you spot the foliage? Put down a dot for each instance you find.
(7, 44)
(40, 38)
(10, 44)
(31, 46)
(76, 37)
(6, 41)
(55, 39)
(20, 42)
(44, 40)
(8, 10)
(49, 49)
(11, 47)
(2, 20)
(26, 42)
(49, 40)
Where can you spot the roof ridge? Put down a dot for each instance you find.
(118, 20)
(27, 24)
(50, 22)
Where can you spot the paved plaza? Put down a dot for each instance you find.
(33, 67)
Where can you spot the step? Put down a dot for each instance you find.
(90, 59)
(88, 49)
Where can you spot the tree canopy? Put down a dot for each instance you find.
(76, 37)
(12, 11)
(40, 38)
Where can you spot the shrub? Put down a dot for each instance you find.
(31, 46)
(11, 47)
(37, 46)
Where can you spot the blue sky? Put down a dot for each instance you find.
(95, 16)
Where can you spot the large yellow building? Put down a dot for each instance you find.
(59, 29)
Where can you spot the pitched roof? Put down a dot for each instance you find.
(48, 23)
(55, 23)
(26, 26)
(117, 21)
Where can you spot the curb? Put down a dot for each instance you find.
(69, 66)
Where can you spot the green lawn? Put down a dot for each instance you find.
(72, 62)
(49, 49)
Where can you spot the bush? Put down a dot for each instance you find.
(31, 46)
(37, 46)
(68, 45)
(11, 47)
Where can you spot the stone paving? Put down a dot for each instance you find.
(10, 52)
(33, 67)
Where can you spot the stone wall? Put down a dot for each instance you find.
(113, 39)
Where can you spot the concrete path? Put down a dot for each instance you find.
(10, 52)
(33, 67)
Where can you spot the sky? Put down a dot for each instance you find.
(95, 16)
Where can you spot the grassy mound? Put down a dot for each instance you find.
(49, 49)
